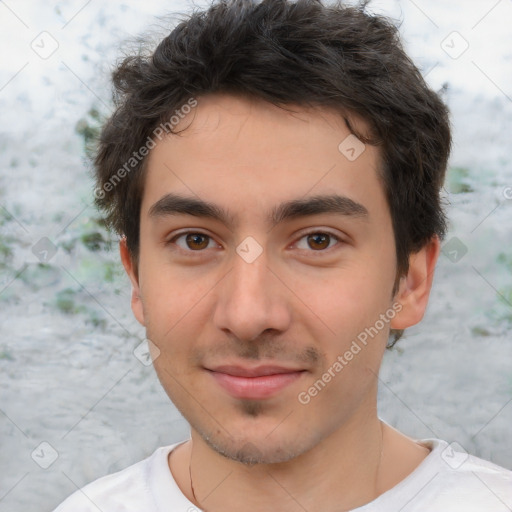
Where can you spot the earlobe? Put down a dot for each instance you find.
(415, 287)
(132, 272)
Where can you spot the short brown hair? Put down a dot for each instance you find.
(286, 52)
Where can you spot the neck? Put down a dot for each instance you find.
(342, 472)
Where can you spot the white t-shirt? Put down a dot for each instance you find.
(445, 481)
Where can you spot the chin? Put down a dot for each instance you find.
(253, 452)
(252, 446)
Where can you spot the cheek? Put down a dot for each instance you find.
(166, 290)
(175, 303)
(342, 319)
(347, 299)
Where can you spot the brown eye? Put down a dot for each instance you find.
(318, 241)
(197, 241)
(192, 241)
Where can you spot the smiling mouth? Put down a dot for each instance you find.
(254, 383)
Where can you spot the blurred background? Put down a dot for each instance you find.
(78, 396)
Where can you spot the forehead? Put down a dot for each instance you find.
(251, 154)
(223, 111)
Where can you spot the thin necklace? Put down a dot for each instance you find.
(196, 501)
(380, 458)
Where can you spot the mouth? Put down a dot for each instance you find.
(255, 383)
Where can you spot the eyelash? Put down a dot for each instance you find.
(304, 235)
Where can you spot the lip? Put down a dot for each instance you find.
(254, 383)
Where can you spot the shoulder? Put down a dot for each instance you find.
(125, 491)
(467, 483)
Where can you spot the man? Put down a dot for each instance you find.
(274, 170)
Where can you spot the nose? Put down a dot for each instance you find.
(251, 299)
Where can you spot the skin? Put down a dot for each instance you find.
(300, 303)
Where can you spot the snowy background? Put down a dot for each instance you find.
(69, 377)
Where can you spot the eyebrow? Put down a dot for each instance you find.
(174, 204)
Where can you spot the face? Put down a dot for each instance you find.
(264, 253)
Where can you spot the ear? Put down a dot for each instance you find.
(415, 287)
(131, 270)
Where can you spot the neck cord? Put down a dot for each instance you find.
(196, 501)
